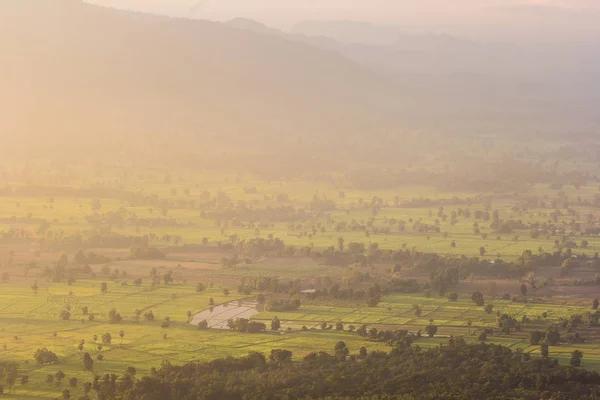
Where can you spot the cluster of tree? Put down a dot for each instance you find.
(94, 193)
(122, 218)
(62, 270)
(446, 270)
(96, 240)
(146, 253)
(422, 202)
(479, 174)
(89, 258)
(321, 204)
(246, 212)
(335, 291)
(399, 338)
(245, 326)
(282, 305)
(579, 320)
(9, 371)
(45, 356)
(453, 371)
(114, 317)
(271, 284)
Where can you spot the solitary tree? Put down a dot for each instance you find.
(362, 352)
(280, 356)
(60, 375)
(576, 357)
(104, 287)
(203, 324)
(523, 289)
(340, 242)
(535, 337)
(431, 330)
(595, 304)
(477, 298)
(544, 350)
(341, 350)
(107, 338)
(65, 315)
(275, 324)
(88, 363)
(552, 337)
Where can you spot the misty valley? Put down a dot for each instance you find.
(192, 209)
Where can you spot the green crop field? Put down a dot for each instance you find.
(203, 227)
(31, 321)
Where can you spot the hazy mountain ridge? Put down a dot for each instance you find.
(132, 72)
(82, 72)
(550, 78)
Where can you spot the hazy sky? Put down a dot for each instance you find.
(472, 17)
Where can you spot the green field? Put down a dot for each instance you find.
(200, 219)
(31, 321)
(183, 216)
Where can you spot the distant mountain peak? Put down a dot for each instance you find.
(251, 25)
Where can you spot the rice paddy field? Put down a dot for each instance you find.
(182, 213)
(30, 321)
(188, 202)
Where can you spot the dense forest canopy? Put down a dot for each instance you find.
(454, 371)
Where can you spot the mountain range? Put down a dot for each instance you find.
(76, 75)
